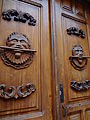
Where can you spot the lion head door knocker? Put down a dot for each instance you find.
(17, 53)
(78, 60)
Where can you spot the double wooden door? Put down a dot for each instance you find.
(72, 59)
(43, 78)
(25, 62)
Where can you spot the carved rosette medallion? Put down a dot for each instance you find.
(16, 91)
(78, 60)
(17, 52)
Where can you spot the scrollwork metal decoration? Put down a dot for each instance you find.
(78, 60)
(16, 92)
(80, 86)
(17, 53)
(18, 16)
(76, 31)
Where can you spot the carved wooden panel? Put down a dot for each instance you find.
(69, 45)
(82, 113)
(71, 73)
(79, 8)
(11, 76)
(88, 115)
(75, 116)
(67, 5)
(16, 95)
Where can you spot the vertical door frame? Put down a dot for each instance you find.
(55, 81)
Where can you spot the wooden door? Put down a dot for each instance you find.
(72, 49)
(25, 60)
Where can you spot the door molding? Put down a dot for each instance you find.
(55, 82)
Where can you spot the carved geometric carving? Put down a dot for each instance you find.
(76, 31)
(67, 4)
(18, 16)
(17, 52)
(80, 86)
(78, 60)
(16, 92)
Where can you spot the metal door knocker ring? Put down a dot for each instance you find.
(78, 60)
(17, 53)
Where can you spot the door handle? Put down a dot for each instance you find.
(79, 57)
(64, 109)
(61, 93)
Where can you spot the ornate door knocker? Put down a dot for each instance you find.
(78, 60)
(17, 53)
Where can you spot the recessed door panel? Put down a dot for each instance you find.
(74, 73)
(24, 61)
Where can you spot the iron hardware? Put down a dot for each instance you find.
(61, 93)
(64, 110)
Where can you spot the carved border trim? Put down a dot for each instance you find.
(74, 18)
(69, 107)
(16, 92)
(80, 86)
(65, 7)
